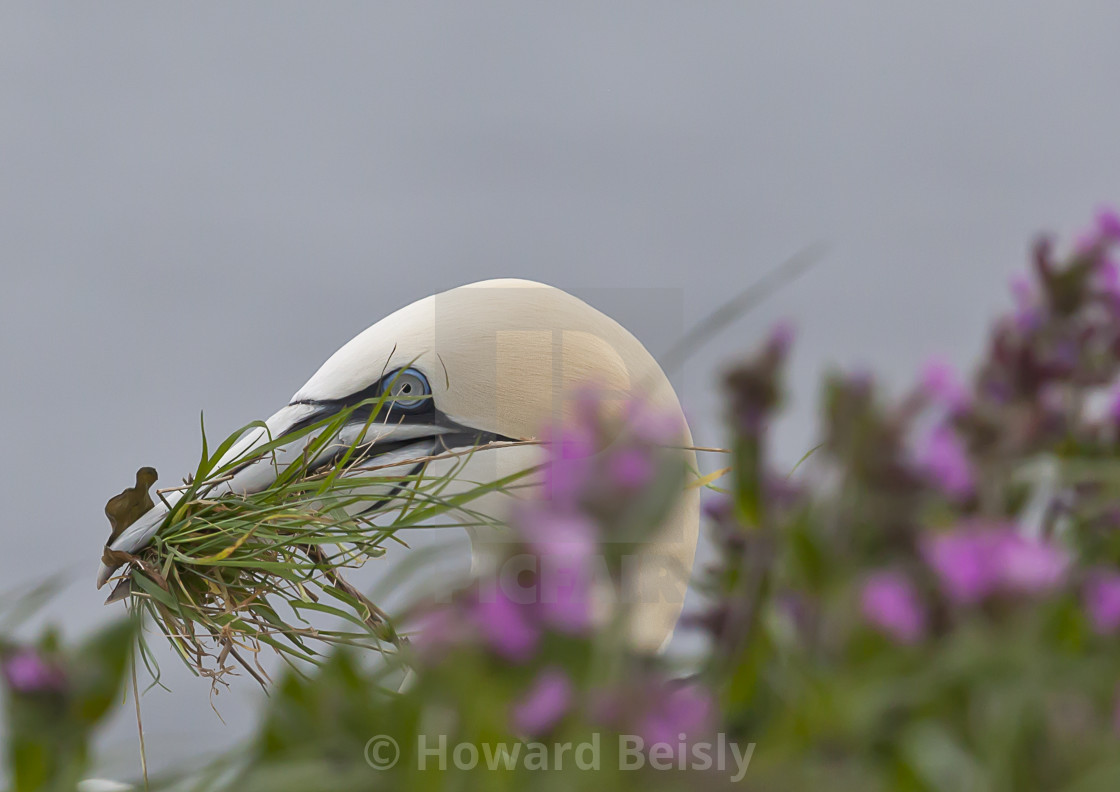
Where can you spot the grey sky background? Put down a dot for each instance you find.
(199, 203)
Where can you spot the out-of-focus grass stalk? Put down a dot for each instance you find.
(227, 576)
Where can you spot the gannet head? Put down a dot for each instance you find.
(498, 359)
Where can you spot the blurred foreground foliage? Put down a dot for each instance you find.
(931, 601)
(56, 697)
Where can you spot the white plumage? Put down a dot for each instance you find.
(502, 358)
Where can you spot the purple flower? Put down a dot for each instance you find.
(544, 704)
(631, 468)
(962, 561)
(550, 533)
(1052, 398)
(972, 563)
(944, 459)
(564, 594)
(506, 625)
(889, 602)
(1114, 407)
(1028, 565)
(940, 381)
(1105, 232)
(1086, 242)
(569, 466)
(1108, 224)
(1028, 310)
(1101, 597)
(566, 546)
(1107, 277)
(27, 671)
(686, 710)
(650, 425)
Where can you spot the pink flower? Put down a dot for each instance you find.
(1086, 242)
(1104, 232)
(1114, 407)
(27, 671)
(506, 625)
(686, 710)
(972, 563)
(544, 704)
(566, 545)
(1108, 224)
(944, 459)
(564, 592)
(1028, 309)
(940, 381)
(1101, 597)
(1029, 565)
(550, 533)
(651, 425)
(631, 468)
(1107, 278)
(962, 561)
(889, 602)
(569, 466)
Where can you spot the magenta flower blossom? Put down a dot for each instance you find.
(569, 467)
(650, 425)
(889, 602)
(962, 561)
(564, 592)
(686, 710)
(1108, 224)
(1101, 598)
(1104, 232)
(940, 381)
(1114, 407)
(1107, 278)
(1086, 242)
(566, 545)
(568, 609)
(1028, 309)
(972, 563)
(1028, 565)
(559, 535)
(552, 533)
(506, 625)
(944, 459)
(544, 704)
(27, 671)
(631, 468)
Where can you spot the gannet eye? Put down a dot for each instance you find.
(407, 390)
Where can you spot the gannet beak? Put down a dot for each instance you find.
(390, 443)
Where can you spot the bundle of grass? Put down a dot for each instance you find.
(226, 576)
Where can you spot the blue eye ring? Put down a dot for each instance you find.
(407, 389)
